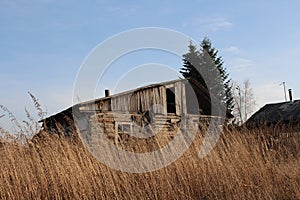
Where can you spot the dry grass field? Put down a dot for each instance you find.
(257, 164)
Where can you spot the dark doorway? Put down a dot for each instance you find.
(192, 104)
(197, 100)
(171, 105)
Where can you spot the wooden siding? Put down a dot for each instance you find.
(143, 100)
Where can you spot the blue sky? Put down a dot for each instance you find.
(43, 43)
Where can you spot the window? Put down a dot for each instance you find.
(125, 128)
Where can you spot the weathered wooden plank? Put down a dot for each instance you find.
(177, 97)
(183, 99)
(164, 99)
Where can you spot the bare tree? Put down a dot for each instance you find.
(244, 101)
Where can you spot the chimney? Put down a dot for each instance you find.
(291, 95)
(107, 94)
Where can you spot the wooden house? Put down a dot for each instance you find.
(284, 113)
(150, 109)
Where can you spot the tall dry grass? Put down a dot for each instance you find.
(257, 164)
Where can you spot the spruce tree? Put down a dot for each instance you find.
(207, 62)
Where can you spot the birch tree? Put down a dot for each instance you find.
(244, 101)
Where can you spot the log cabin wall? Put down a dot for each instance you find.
(130, 112)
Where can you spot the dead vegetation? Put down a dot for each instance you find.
(262, 163)
(256, 164)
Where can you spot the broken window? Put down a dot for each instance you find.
(124, 131)
(125, 128)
